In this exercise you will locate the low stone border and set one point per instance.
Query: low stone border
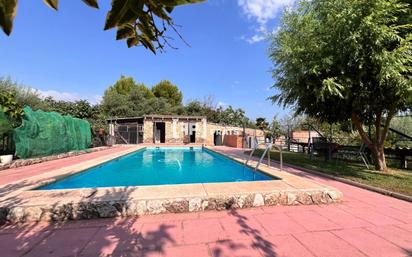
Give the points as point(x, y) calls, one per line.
point(89, 208)
point(26, 162)
point(354, 183)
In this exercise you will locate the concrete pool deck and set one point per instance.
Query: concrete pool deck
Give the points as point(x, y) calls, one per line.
point(19, 203)
point(363, 224)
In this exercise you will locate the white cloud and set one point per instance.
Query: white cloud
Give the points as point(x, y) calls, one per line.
point(71, 97)
point(259, 36)
point(223, 104)
point(262, 11)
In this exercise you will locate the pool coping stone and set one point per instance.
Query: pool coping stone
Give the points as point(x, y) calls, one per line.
point(19, 203)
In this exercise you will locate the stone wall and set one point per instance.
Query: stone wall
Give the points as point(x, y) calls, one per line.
point(134, 207)
point(176, 131)
point(148, 131)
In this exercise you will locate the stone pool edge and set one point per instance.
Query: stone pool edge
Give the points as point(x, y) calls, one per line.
point(72, 204)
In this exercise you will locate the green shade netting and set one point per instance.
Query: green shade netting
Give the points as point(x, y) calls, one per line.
point(47, 133)
point(5, 125)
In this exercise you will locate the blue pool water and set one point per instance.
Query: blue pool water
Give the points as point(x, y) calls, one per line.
point(160, 166)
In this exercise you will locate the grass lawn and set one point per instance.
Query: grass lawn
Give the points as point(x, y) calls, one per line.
point(398, 180)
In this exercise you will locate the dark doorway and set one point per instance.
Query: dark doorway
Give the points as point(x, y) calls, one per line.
point(193, 133)
point(159, 132)
point(217, 138)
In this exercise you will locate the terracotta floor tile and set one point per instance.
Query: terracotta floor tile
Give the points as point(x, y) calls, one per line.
point(16, 244)
point(234, 248)
point(279, 224)
point(285, 246)
point(394, 234)
point(164, 234)
point(242, 227)
point(202, 231)
point(326, 244)
point(312, 221)
point(342, 218)
point(108, 239)
point(186, 251)
point(373, 217)
point(369, 243)
point(64, 242)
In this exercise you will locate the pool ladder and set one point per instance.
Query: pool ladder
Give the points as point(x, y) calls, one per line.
point(268, 147)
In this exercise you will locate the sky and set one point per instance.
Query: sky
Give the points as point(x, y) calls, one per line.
point(67, 54)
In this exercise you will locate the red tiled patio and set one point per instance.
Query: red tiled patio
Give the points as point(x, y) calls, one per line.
point(364, 224)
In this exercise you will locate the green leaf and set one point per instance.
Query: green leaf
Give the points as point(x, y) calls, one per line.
point(146, 42)
point(92, 3)
point(173, 3)
point(8, 10)
point(126, 31)
point(52, 3)
point(128, 17)
point(132, 42)
point(169, 9)
point(122, 11)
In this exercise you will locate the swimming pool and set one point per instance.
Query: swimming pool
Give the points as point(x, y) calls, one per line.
point(161, 166)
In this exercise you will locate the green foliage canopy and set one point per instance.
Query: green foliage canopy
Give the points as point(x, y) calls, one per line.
point(261, 123)
point(5, 125)
point(23, 95)
point(139, 22)
point(168, 91)
point(126, 98)
point(338, 60)
point(81, 109)
point(275, 128)
point(9, 106)
point(127, 85)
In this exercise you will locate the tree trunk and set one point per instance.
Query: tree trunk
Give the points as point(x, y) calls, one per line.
point(378, 156)
point(376, 147)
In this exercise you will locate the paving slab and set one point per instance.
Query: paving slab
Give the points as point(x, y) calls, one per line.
point(234, 248)
point(285, 246)
point(326, 244)
point(369, 243)
point(66, 242)
point(203, 231)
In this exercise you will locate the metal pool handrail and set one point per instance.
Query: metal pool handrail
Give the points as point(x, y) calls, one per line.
point(268, 147)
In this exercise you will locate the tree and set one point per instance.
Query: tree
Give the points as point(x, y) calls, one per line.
point(124, 85)
point(261, 123)
point(168, 91)
point(5, 125)
point(139, 22)
point(338, 60)
point(81, 109)
point(275, 128)
point(127, 85)
point(206, 107)
point(23, 95)
point(116, 105)
point(11, 108)
point(233, 117)
point(136, 102)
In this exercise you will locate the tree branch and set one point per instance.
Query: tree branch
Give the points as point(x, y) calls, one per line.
point(391, 113)
point(378, 126)
point(358, 125)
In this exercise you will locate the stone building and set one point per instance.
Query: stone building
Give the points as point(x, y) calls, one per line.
point(175, 129)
